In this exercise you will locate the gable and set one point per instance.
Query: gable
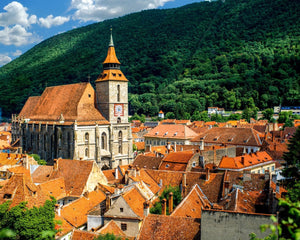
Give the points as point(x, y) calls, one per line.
point(116, 211)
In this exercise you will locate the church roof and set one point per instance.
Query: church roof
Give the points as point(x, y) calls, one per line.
point(68, 102)
point(112, 74)
point(111, 56)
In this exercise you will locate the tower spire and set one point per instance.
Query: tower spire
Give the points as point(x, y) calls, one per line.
point(111, 43)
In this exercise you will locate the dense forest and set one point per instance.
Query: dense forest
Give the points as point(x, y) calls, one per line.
point(235, 54)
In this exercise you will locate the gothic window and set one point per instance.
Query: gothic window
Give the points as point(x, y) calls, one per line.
point(86, 143)
point(103, 141)
point(118, 93)
point(120, 142)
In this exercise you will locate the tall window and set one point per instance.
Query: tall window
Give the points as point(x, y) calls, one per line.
point(86, 143)
point(120, 142)
point(118, 93)
point(103, 141)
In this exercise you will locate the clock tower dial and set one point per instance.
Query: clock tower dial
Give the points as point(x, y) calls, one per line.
point(118, 110)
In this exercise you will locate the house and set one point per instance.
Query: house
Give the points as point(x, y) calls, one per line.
point(257, 162)
point(75, 121)
point(147, 162)
point(180, 161)
point(173, 133)
point(20, 188)
point(161, 114)
point(78, 176)
point(244, 138)
point(215, 110)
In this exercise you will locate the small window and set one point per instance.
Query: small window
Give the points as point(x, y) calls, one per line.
point(7, 196)
point(194, 164)
point(114, 74)
point(89, 95)
point(121, 209)
point(123, 226)
point(167, 165)
point(273, 168)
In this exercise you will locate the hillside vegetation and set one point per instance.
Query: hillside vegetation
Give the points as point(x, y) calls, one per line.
point(235, 55)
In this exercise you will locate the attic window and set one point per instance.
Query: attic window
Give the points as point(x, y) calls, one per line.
point(89, 95)
point(230, 139)
point(123, 226)
point(175, 134)
point(7, 196)
point(167, 165)
point(114, 74)
point(156, 133)
point(121, 209)
point(216, 138)
point(104, 75)
point(120, 75)
point(166, 133)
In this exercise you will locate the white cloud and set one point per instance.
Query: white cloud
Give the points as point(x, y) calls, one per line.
point(4, 59)
point(17, 35)
point(17, 53)
point(53, 21)
point(16, 14)
point(99, 10)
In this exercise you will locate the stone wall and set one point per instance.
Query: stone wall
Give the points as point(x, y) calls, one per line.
point(217, 225)
point(215, 156)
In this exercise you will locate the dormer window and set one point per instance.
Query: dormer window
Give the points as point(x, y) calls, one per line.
point(7, 196)
point(175, 134)
point(156, 133)
point(114, 74)
point(166, 133)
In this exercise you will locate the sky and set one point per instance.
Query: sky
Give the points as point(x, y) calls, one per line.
point(25, 23)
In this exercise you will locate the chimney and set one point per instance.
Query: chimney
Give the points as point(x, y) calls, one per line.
point(107, 201)
point(55, 165)
point(243, 160)
point(175, 147)
point(267, 175)
point(134, 172)
point(201, 145)
point(246, 176)
point(160, 182)
point(86, 194)
point(184, 185)
point(207, 174)
point(273, 136)
point(164, 207)
point(116, 173)
point(170, 202)
point(275, 147)
point(281, 135)
point(126, 177)
point(226, 188)
point(57, 209)
point(146, 208)
point(137, 171)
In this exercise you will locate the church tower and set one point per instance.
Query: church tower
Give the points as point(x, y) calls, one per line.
point(112, 89)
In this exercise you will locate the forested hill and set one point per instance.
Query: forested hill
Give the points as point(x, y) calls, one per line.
point(233, 54)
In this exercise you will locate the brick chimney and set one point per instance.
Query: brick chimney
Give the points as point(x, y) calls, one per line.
point(138, 171)
point(243, 160)
point(207, 173)
point(164, 207)
point(184, 185)
point(126, 177)
point(146, 208)
point(55, 164)
point(107, 201)
point(170, 202)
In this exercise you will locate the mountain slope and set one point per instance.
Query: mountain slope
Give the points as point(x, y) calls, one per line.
point(230, 54)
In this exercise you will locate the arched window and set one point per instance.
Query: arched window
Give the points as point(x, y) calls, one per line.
point(86, 143)
point(86, 139)
point(87, 152)
point(120, 142)
point(103, 141)
point(118, 93)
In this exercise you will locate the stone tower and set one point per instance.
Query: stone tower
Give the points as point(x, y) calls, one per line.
point(112, 89)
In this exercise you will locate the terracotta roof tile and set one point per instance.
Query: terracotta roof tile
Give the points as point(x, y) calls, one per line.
point(149, 162)
point(159, 227)
point(42, 174)
point(76, 212)
point(73, 102)
point(63, 228)
point(192, 204)
point(230, 136)
point(112, 228)
point(29, 107)
point(55, 188)
point(171, 131)
point(83, 235)
point(140, 145)
point(135, 200)
point(245, 161)
point(11, 158)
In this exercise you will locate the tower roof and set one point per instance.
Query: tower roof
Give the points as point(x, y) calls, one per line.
point(111, 53)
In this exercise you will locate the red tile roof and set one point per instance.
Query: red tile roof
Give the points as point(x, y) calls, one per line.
point(230, 136)
point(55, 188)
point(245, 161)
point(112, 228)
point(192, 204)
point(136, 201)
point(20, 188)
point(149, 162)
point(73, 102)
point(83, 235)
point(171, 131)
point(169, 228)
point(76, 212)
point(140, 145)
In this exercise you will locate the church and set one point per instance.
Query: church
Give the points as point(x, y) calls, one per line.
point(76, 122)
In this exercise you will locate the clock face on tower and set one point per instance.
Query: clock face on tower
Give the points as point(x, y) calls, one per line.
point(118, 110)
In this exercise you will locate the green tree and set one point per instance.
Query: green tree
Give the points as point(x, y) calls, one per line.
point(107, 236)
point(268, 114)
point(157, 208)
point(34, 223)
point(170, 115)
point(38, 159)
point(292, 158)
